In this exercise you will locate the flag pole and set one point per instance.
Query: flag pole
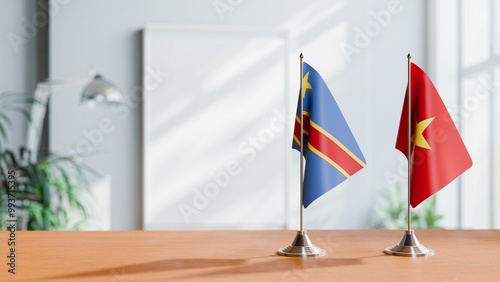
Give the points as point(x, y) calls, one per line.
point(301, 245)
point(301, 200)
point(409, 140)
point(409, 246)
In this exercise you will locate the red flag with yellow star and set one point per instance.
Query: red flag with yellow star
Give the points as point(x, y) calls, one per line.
point(438, 154)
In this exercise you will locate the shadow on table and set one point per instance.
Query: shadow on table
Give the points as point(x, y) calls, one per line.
point(290, 267)
point(154, 266)
point(234, 266)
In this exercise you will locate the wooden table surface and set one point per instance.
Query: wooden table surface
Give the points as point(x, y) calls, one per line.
point(354, 255)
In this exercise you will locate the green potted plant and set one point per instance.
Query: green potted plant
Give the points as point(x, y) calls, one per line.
point(392, 213)
point(49, 193)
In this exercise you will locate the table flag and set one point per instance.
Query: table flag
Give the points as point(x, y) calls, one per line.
point(438, 154)
point(330, 149)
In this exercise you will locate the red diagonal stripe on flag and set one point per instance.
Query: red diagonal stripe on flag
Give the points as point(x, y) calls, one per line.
point(296, 130)
point(334, 151)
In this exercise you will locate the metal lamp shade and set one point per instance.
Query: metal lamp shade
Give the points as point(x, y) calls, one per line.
point(101, 90)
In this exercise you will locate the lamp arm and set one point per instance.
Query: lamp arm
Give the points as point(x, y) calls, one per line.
point(38, 111)
point(97, 88)
point(39, 108)
point(58, 83)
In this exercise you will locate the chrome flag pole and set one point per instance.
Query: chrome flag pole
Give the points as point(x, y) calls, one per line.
point(409, 245)
point(301, 245)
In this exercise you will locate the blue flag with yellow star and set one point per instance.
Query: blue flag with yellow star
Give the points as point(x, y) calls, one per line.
point(331, 152)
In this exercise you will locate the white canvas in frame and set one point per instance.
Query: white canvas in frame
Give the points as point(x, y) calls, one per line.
point(216, 136)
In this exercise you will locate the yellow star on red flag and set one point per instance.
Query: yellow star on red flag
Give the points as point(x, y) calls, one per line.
point(418, 138)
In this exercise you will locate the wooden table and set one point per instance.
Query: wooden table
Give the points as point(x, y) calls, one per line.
point(119, 256)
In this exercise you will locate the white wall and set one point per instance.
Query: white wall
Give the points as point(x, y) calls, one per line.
point(443, 68)
point(368, 85)
point(468, 89)
point(18, 57)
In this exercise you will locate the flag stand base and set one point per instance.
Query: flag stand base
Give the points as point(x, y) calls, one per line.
point(409, 247)
point(301, 247)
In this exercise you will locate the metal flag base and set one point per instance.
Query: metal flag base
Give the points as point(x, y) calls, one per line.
point(409, 247)
point(301, 247)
